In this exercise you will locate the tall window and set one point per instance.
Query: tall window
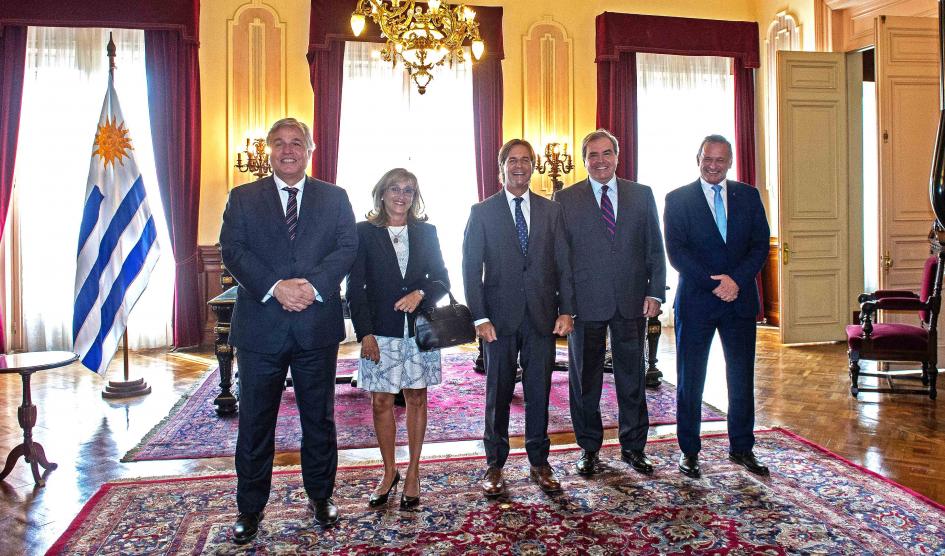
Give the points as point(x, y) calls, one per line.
point(65, 81)
point(680, 100)
point(386, 124)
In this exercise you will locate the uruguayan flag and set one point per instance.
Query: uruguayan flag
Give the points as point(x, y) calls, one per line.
point(117, 241)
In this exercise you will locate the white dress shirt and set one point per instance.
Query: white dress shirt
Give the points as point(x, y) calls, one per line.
point(611, 192)
point(526, 207)
point(710, 195)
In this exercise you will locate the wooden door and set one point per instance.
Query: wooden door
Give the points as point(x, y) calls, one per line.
point(907, 94)
point(814, 196)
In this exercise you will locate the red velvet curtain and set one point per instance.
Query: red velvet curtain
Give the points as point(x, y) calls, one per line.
point(621, 36)
point(617, 108)
point(745, 123)
point(330, 27)
point(12, 66)
point(174, 101)
point(326, 69)
point(174, 97)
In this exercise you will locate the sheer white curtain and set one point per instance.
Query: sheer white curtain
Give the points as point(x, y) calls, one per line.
point(386, 124)
point(65, 81)
point(680, 100)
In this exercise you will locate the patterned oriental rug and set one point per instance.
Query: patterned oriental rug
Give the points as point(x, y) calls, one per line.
point(813, 502)
point(455, 412)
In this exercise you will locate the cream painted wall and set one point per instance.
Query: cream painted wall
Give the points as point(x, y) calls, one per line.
point(214, 167)
point(576, 16)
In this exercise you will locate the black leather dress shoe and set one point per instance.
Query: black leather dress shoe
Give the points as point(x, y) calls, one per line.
point(637, 460)
point(587, 465)
point(326, 513)
point(246, 527)
point(689, 465)
point(748, 461)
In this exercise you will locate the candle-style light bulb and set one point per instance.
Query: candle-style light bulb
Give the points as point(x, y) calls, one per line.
point(357, 24)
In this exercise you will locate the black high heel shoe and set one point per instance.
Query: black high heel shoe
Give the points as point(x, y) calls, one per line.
point(408, 502)
point(381, 499)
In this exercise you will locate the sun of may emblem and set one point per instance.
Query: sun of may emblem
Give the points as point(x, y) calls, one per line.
point(112, 142)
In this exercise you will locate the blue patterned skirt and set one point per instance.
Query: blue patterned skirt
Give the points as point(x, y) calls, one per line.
point(402, 365)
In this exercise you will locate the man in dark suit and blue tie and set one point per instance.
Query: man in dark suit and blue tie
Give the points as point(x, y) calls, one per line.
point(619, 280)
point(517, 278)
point(288, 240)
point(717, 238)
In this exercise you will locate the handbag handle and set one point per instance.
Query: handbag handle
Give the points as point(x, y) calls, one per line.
point(448, 292)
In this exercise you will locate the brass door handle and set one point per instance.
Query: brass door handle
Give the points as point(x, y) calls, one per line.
point(785, 253)
point(886, 261)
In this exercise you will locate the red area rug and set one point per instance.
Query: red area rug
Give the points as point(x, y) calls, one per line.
point(814, 502)
point(456, 410)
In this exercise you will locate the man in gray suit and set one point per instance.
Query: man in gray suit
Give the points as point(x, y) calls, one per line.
point(517, 277)
point(619, 280)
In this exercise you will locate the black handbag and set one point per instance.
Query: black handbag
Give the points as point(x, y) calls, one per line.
point(441, 327)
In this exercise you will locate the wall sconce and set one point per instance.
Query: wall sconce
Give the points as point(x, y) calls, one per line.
point(557, 163)
point(257, 163)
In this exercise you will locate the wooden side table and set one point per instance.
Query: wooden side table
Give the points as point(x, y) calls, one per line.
point(26, 364)
point(222, 306)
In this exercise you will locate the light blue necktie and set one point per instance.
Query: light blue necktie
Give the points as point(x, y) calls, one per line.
point(720, 220)
point(520, 226)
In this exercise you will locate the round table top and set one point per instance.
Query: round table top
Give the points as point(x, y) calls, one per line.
point(35, 361)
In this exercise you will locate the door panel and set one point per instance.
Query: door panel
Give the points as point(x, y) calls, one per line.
point(907, 90)
point(814, 196)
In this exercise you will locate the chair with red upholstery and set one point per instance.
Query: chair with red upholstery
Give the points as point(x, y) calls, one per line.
point(894, 342)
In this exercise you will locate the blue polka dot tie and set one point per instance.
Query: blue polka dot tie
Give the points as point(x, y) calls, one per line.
point(521, 226)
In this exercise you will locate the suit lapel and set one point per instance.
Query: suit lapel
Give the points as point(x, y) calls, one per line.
point(703, 212)
point(591, 208)
point(506, 222)
point(272, 205)
point(382, 236)
point(536, 218)
point(624, 209)
point(414, 242)
point(309, 207)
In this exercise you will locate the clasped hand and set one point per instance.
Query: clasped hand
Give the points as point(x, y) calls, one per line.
point(294, 294)
point(409, 302)
point(727, 290)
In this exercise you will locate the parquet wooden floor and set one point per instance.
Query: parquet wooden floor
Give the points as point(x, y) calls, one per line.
point(804, 389)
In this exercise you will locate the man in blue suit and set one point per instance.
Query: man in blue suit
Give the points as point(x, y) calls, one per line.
point(288, 240)
point(717, 239)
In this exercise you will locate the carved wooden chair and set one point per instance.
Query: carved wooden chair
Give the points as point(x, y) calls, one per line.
point(894, 342)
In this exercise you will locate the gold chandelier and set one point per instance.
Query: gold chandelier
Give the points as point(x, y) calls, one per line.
point(421, 38)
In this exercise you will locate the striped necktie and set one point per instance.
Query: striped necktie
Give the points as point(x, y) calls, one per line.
point(291, 211)
point(607, 212)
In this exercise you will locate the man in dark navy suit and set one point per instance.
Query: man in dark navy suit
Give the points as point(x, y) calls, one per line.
point(717, 238)
point(288, 240)
point(517, 278)
point(619, 281)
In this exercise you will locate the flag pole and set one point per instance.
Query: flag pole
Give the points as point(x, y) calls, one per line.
point(126, 388)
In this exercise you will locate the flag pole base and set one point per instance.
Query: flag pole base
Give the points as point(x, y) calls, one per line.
point(126, 389)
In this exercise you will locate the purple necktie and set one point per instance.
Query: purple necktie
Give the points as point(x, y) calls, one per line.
point(607, 212)
point(291, 211)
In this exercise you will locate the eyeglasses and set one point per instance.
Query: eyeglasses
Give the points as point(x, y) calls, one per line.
point(409, 192)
